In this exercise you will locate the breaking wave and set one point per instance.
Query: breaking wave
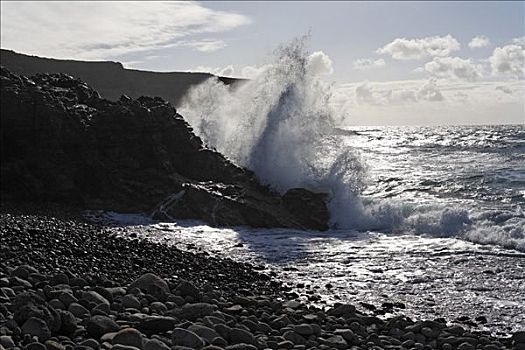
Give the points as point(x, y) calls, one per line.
point(282, 125)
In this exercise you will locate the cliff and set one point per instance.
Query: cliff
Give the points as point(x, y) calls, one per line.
point(61, 142)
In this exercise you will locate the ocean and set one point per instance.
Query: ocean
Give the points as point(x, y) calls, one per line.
point(430, 219)
point(447, 239)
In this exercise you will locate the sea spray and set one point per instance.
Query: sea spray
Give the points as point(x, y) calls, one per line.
point(280, 125)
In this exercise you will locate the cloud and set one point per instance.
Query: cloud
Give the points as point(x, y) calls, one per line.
point(509, 59)
point(205, 45)
point(430, 102)
point(367, 63)
point(381, 95)
point(103, 30)
point(319, 63)
point(478, 42)
point(408, 49)
point(454, 68)
point(430, 92)
point(228, 71)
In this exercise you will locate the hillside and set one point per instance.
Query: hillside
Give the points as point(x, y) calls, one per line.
point(111, 79)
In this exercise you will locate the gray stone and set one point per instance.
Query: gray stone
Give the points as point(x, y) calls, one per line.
point(99, 325)
point(347, 334)
point(241, 346)
point(466, 346)
point(94, 297)
point(294, 337)
point(36, 327)
point(158, 307)
point(92, 343)
point(35, 346)
point(336, 341)
point(129, 301)
point(204, 332)
point(238, 335)
point(67, 298)
point(303, 329)
point(7, 342)
point(151, 284)
point(78, 310)
point(184, 337)
point(68, 322)
point(155, 344)
point(57, 304)
point(157, 324)
point(53, 345)
point(198, 310)
point(123, 347)
point(342, 310)
point(128, 336)
point(186, 289)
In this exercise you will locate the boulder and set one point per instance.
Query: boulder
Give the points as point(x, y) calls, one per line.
point(151, 284)
point(99, 325)
point(184, 337)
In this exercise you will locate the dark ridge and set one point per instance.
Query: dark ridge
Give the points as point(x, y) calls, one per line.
point(111, 79)
point(62, 143)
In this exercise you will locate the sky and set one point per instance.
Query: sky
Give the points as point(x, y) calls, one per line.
point(390, 63)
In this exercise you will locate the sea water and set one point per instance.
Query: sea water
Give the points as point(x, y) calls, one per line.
point(430, 218)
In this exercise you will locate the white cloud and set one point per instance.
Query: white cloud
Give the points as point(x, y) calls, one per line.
point(381, 95)
point(519, 41)
point(407, 49)
point(509, 59)
point(430, 92)
point(319, 63)
point(208, 45)
point(102, 30)
point(478, 42)
point(228, 71)
point(454, 68)
point(367, 63)
point(431, 102)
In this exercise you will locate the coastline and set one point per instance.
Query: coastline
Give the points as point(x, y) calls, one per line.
point(249, 307)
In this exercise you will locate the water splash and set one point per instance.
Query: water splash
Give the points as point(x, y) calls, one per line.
point(280, 125)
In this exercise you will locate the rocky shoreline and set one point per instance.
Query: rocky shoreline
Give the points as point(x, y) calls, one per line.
point(68, 284)
point(61, 142)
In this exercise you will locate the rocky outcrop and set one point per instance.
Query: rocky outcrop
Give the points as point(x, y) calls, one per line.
point(61, 142)
point(111, 79)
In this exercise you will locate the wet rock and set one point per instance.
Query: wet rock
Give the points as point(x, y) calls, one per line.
point(36, 327)
point(186, 289)
point(195, 311)
point(35, 346)
point(151, 284)
point(204, 332)
point(7, 342)
point(238, 335)
point(53, 345)
point(155, 344)
point(128, 336)
point(157, 323)
point(100, 325)
point(78, 310)
point(129, 301)
point(186, 338)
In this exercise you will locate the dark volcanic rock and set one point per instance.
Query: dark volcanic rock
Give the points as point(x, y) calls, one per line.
point(61, 142)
